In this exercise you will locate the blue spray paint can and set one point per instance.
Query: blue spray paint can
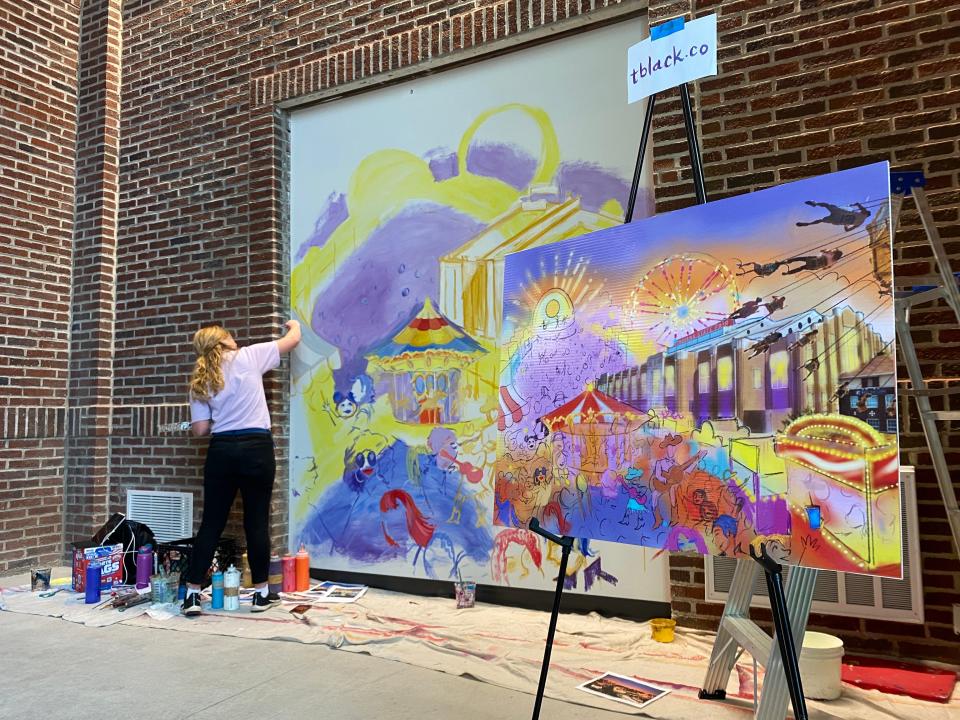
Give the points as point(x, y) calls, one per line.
point(217, 602)
point(92, 584)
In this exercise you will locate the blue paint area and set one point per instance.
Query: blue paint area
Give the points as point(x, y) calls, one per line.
point(348, 520)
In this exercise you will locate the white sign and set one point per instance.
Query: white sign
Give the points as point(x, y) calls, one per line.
point(659, 64)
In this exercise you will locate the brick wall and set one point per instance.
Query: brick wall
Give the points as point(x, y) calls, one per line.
point(38, 87)
point(806, 88)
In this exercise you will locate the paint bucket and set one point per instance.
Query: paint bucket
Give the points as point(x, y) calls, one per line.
point(662, 629)
point(820, 662)
point(466, 594)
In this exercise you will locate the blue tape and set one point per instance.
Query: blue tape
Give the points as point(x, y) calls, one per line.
point(902, 182)
point(667, 28)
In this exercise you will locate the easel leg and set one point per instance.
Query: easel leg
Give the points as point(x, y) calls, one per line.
point(784, 637)
point(696, 162)
point(644, 139)
point(565, 556)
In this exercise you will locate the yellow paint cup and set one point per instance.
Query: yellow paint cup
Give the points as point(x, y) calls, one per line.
point(662, 629)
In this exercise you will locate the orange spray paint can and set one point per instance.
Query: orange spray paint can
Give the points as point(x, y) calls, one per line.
point(303, 569)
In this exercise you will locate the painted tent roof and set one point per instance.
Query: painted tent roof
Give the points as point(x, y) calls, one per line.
point(590, 404)
point(428, 330)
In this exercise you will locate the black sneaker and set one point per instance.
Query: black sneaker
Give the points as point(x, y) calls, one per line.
point(191, 605)
point(262, 603)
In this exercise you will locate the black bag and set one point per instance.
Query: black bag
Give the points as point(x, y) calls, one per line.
point(132, 535)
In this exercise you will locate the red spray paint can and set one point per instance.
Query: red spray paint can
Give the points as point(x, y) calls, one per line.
point(289, 574)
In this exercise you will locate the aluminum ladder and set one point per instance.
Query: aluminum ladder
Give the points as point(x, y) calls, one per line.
point(940, 286)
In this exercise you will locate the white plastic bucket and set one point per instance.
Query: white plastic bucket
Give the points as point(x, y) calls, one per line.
point(820, 661)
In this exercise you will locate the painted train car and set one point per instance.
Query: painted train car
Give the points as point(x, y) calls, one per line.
point(761, 372)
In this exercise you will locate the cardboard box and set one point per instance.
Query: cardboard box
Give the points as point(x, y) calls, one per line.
point(108, 557)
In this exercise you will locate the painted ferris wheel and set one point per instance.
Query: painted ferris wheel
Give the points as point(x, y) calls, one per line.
point(681, 295)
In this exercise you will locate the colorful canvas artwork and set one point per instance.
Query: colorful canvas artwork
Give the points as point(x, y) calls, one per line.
point(400, 232)
point(713, 379)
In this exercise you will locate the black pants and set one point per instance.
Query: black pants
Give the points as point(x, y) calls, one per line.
point(236, 462)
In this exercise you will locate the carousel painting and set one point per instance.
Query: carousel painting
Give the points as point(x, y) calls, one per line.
point(420, 367)
point(711, 380)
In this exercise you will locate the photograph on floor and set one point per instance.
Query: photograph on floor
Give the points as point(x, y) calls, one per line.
point(712, 380)
point(395, 391)
point(624, 689)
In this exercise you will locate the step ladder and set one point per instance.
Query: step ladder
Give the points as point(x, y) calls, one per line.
point(940, 286)
point(738, 632)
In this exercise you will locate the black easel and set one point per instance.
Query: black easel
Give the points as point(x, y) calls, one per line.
point(771, 568)
point(781, 623)
point(566, 544)
point(693, 146)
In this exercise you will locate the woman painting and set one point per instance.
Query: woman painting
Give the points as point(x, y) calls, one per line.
point(227, 402)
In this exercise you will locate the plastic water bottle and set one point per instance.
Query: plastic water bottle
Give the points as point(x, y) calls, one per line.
point(144, 566)
point(92, 584)
point(231, 589)
point(217, 602)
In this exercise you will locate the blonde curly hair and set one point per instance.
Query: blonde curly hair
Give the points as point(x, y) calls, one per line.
point(209, 344)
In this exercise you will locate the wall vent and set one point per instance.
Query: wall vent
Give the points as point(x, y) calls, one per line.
point(168, 514)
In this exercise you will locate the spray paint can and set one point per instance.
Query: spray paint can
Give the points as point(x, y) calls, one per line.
point(217, 591)
point(275, 579)
point(246, 580)
point(231, 589)
point(303, 569)
point(92, 587)
point(144, 566)
point(289, 574)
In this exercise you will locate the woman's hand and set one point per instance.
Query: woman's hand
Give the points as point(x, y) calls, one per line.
point(289, 341)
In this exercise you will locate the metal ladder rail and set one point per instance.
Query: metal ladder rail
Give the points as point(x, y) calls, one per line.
point(945, 286)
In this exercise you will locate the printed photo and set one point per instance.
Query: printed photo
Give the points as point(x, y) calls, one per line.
point(624, 689)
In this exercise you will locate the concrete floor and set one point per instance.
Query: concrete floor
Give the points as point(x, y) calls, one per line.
point(53, 668)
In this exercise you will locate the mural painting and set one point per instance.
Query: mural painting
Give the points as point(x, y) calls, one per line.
point(397, 272)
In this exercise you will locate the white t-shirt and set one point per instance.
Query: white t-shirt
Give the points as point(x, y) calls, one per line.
point(242, 404)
